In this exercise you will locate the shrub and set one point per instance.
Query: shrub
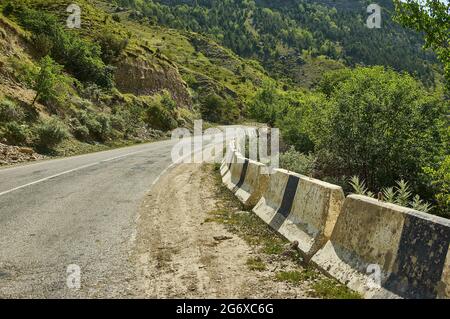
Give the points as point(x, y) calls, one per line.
point(297, 162)
point(303, 120)
point(401, 194)
point(160, 118)
point(116, 18)
point(50, 133)
point(219, 110)
point(42, 44)
point(47, 80)
point(16, 134)
point(81, 132)
point(8, 9)
point(105, 132)
point(23, 70)
point(81, 57)
point(9, 111)
point(268, 104)
point(382, 126)
point(167, 101)
point(440, 183)
point(117, 122)
point(112, 46)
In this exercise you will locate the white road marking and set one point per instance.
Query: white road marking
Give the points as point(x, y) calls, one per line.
point(97, 163)
point(69, 171)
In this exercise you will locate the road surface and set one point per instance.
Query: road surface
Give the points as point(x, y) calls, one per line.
point(75, 211)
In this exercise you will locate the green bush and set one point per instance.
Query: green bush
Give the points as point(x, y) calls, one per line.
point(116, 18)
point(99, 125)
point(50, 132)
point(16, 134)
point(8, 9)
point(401, 194)
point(112, 46)
point(118, 122)
point(80, 57)
point(380, 125)
point(303, 120)
point(23, 70)
point(268, 105)
point(440, 183)
point(47, 80)
point(42, 44)
point(158, 117)
point(297, 162)
point(9, 111)
point(81, 132)
point(219, 110)
point(105, 132)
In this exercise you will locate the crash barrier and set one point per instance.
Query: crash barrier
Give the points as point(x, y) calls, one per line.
point(387, 251)
point(252, 183)
point(379, 249)
point(238, 168)
point(302, 209)
point(227, 160)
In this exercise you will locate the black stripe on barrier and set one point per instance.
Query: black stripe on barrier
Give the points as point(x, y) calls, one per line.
point(420, 258)
point(286, 204)
point(243, 174)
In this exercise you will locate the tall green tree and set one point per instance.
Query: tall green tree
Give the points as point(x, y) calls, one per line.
point(383, 126)
point(432, 17)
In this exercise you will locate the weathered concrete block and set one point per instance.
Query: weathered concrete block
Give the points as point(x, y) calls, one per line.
point(237, 172)
point(252, 184)
point(227, 160)
point(271, 202)
point(409, 248)
point(302, 209)
point(226, 169)
point(315, 209)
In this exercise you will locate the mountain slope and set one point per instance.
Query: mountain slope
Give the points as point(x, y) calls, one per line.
point(115, 80)
point(284, 35)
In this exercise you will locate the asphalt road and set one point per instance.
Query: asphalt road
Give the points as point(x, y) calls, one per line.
point(75, 211)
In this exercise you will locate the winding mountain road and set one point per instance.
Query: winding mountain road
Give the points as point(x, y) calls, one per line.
point(75, 211)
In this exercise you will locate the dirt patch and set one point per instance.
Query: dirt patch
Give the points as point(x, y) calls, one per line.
point(186, 247)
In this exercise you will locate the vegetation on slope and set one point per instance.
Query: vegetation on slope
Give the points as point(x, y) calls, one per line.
point(286, 35)
point(110, 81)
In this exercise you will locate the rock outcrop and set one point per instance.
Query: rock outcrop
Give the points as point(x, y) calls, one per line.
point(148, 74)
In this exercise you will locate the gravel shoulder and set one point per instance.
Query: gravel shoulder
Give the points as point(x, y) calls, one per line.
point(193, 241)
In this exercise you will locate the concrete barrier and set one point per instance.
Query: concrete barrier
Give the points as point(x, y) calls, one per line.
point(226, 168)
point(227, 160)
point(252, 184)
point(301, 209)
point(387, 251)
point(237, 172)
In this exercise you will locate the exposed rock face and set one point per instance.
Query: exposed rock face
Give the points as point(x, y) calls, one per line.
point(147, 75)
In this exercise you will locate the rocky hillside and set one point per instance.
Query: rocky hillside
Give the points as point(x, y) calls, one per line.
point(110, 82)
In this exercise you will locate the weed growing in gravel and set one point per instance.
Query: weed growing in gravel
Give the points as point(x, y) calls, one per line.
point(256, 264)
point(330, 289)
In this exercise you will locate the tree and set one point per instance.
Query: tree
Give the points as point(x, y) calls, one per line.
point(47, 79)
point(267, 105)
point(432, 17)
point(383, 126)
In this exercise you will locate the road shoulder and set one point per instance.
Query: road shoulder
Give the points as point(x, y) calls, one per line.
point(194, 241)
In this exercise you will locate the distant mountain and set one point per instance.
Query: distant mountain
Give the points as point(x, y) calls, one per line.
point(284, 34)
